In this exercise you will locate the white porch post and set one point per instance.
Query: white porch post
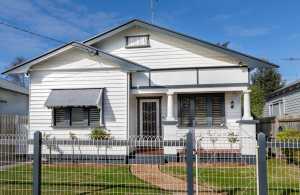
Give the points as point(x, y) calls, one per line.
point(170, 110)
point(247, 109)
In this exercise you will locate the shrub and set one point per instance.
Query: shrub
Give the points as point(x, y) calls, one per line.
point(99, 133)
point(292, 154)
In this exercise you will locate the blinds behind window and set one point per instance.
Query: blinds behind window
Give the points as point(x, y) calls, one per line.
point(186, 112)
point(206, 109)
point(60, 116)
point(137, 41)
point(217, 110)
point(201, 112)
point(94, 116)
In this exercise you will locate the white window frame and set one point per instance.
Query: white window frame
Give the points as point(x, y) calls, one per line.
point(280, 103)
point(147, 44)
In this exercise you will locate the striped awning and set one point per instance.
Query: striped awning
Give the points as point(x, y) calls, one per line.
point(75, 98)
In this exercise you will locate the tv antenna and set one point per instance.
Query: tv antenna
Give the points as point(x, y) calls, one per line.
point(152, 9)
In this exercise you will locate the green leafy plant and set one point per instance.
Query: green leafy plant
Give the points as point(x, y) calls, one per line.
point(232, 138)
point(99, 133)
point(292, 154)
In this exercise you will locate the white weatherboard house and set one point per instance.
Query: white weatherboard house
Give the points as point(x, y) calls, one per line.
point(139, 79)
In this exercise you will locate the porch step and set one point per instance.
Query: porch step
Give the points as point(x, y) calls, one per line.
point(149, 151)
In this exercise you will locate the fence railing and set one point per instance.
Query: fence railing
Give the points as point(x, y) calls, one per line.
point(148, 166)
point(11, 124)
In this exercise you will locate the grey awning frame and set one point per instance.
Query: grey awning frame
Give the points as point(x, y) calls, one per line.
point(75, 98)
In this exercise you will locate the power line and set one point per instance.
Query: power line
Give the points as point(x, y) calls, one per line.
point(30, 32)
point(63, 42)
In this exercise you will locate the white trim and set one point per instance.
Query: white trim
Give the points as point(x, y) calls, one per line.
point(189, 90)
point(157, 115)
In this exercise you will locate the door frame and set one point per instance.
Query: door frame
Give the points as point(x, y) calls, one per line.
point(139, 100)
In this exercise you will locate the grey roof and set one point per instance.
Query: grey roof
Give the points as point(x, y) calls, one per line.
point(129, 65)
point(286, 89)
point(5, 84)
point(231, 52)
point(74, 97)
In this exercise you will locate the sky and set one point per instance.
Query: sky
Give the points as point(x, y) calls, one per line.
point(267, 29)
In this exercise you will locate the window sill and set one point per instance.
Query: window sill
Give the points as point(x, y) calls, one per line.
point(136, 47)
point(73, 127)
point(203, 127)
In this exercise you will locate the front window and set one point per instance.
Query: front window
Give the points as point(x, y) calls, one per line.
point(207, 110)
point(76, 117)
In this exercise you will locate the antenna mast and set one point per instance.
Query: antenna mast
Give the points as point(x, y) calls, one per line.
point(152, 9)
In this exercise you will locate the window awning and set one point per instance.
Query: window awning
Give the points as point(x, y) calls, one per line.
point(74, 97)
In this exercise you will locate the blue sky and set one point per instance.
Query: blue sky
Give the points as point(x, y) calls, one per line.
point(266, 29)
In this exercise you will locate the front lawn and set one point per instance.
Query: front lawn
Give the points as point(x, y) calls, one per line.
point(75, 179)
point(283, 178)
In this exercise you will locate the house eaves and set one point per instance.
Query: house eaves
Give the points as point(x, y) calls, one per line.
point(251, 61)
point(7, 85)
point(124, 63)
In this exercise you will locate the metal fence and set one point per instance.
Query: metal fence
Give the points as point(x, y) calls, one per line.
point(208, 165)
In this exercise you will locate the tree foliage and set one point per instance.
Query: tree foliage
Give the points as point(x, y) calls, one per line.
point(264, 82)
point(19, 79)
point(267, 79)
point(257, 101)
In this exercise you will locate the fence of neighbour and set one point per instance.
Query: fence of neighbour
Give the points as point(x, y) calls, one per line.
point(272, 125)
point(11, 124)
point(208, 165)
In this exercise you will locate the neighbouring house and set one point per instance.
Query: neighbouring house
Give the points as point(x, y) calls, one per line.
point(284, 102)
point(139, 79)
point(13, 98)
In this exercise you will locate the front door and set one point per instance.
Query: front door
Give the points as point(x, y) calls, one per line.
point(149, 117)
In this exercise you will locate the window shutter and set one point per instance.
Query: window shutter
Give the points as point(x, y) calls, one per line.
point(60, 117)
point(94, 114)
point(217, 110)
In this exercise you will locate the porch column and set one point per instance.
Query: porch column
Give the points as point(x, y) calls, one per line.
point(247, 109)
point(170, 110)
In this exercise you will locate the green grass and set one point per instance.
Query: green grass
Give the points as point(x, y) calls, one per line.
point(283, 178)
point(86, 179)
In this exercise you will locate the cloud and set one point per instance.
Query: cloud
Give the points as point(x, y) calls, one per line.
point(247, 31)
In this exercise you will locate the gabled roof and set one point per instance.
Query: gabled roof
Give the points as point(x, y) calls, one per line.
point(250, 60)
point(291, 87)
point(5, 84)
point(126, 64)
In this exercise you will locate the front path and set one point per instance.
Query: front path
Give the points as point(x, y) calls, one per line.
point(151, 173)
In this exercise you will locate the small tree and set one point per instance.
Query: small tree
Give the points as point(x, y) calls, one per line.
point(232, 138)
point(100, 133)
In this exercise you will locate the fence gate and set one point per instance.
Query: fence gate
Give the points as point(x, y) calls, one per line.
point(221, 167)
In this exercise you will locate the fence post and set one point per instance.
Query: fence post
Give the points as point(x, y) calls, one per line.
point(189, 163)
point(262, 165)
point(36, 171)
